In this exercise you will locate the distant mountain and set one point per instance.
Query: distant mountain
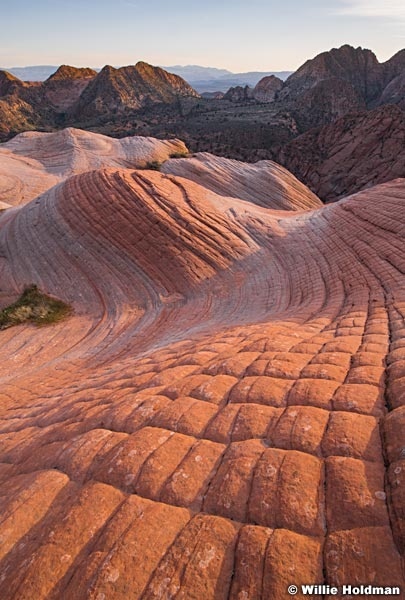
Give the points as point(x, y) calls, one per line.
point(341, 81)
point(202, 79)
point(83, 94)
point(35, 73)
point(113, 91)
point(28, 105)
point(208, 79)
point(335, 97)
point(196, 73)
point(265, 90)
point(67, 73)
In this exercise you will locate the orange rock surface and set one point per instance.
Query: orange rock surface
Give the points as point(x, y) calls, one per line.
point(245, 181)
point(223, 414)
point(32, 162)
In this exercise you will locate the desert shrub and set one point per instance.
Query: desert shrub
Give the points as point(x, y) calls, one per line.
point(33, 307)
point(178, 155)
point(153, 165)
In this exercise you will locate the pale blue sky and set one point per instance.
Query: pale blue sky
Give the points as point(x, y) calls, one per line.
point(233, 34)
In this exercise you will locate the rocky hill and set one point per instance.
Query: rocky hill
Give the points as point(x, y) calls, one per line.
point(66, 72)
point(9, 84)
point(341, 81)
point(17, 115)
point(32, 105)
point(80, 94)
point(115, 91)
point(353, 153)
point(62, 89)
point(239, 94)
point(266, 89)
point(356, 66)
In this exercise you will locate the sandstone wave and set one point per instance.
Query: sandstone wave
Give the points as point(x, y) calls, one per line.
point(33, 162)
point(265, 183)
point(207, 424)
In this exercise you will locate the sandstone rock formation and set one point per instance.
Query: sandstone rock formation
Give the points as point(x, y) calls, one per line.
point(394, 92)
point(341, 81)
point(264, 183)
point(64, 87)
point(356, 66)
point(16, 115)
point(66, 72)
point(80, 94)
point(117, 90)
point(33, 162)
point(266, 89)
point(239, 94)
point(29, 105)
point(9, 84)
point(207, 424)
point(352, 154)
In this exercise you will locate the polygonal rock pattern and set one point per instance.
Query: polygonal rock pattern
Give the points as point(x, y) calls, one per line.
point(223, 415)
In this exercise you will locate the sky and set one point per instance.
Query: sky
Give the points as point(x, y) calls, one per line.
point(262, 35)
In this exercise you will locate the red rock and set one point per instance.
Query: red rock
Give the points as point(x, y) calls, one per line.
point(247, 181)
point(359, 398)
point(396, 481)
point(33, 162)
point(300, 428)
point(307, 565)
point(349, 434)
point(355, 494)
point(206, 423)
point(205, 570)
point(313, 392)
point(339, 158)
point(266, 89)
point(363, 555)
point(250, 562)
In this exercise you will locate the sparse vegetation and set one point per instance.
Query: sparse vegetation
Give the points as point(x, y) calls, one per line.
point(34, 307)
point(178, 155)
point(153, 165)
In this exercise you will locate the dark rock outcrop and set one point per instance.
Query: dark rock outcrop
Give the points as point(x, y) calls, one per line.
point(356, 66)
point(267, 88)
point(117, 90)
point(354, 153)
point(9, 84)
point(239, 94)
point(339, 82)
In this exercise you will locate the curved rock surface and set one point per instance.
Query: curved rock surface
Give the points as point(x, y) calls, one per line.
point(33, 162)
point(264, 183)
point(207, 424)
